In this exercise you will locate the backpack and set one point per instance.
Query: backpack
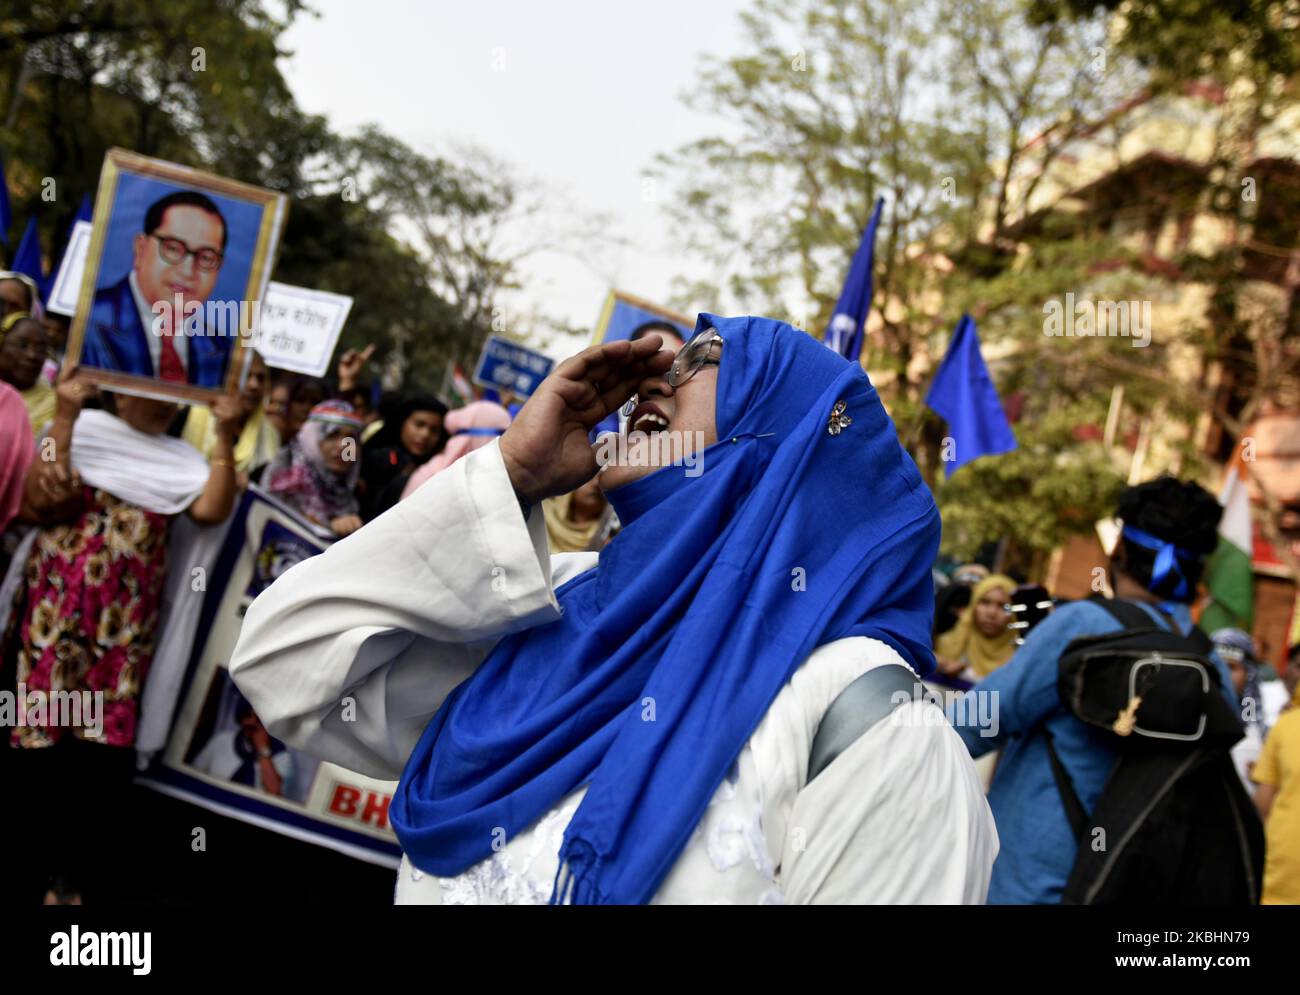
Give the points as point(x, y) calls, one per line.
point(1179, 827)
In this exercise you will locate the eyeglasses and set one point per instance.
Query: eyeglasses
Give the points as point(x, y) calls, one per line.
point(694, 355)
point(174, 251)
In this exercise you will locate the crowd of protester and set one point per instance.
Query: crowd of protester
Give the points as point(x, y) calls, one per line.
point(84, 531)
point(84, 548)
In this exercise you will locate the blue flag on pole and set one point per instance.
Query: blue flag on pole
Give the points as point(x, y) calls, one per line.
point(6, 212)
point(27, 259)
point(963, 394)
point(844, 333)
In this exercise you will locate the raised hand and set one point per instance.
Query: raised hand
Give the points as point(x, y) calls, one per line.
point(229, 415)
point(546, 449)
point(351, 363)
point(70, 393)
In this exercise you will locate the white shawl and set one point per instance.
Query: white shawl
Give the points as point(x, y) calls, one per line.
point(153, 472)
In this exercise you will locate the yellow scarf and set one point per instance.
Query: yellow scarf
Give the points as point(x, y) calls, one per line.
point(566, 536)
point(40, 398)
point(965, 642)
point(41, 403)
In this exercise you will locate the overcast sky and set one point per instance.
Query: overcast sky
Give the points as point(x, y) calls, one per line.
point(578, 93)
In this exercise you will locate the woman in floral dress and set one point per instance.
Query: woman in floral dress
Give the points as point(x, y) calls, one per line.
point(87, 622)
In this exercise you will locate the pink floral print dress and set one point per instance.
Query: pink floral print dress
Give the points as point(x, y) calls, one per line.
point(90, 621)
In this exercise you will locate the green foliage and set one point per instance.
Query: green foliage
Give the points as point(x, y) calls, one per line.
point(1050, 488)
point(1186, 39)
point(198, 82)
point(954, 112)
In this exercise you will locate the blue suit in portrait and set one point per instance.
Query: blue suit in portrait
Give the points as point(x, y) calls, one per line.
point(116, 339)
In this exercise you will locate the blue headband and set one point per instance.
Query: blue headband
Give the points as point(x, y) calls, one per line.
point(1166, 563)
point(479, 431)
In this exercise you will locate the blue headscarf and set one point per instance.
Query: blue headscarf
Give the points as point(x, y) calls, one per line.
point(670, 652)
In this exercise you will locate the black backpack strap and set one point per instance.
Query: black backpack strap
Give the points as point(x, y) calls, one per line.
point(1073, 807)
point(1126, 613)
point(859, 707)
point(1129, 615)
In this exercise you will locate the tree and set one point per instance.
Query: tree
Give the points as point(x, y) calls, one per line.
point(1187, 39)
point(1248, 55)
point(192, 81)
point(198, 82)
point(474, 221)
point(953, 112)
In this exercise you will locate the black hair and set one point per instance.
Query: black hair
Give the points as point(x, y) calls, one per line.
point(360, 397)
point(395, 416)
point(1179, 512)
point(647, 327)
point(305, 385)
point(153, 218)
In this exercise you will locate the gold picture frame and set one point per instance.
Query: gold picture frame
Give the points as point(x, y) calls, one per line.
point(115, 347)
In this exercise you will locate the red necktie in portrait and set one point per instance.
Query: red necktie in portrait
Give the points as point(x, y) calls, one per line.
point(170, 367)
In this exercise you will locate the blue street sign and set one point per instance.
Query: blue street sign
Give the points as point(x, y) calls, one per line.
point(510, 366)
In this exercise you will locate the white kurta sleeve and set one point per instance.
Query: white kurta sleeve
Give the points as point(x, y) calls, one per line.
point(898, 818)
point(348, 654)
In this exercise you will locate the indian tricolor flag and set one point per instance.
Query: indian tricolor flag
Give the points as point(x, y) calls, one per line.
point(456, 387)
point(1229, 575)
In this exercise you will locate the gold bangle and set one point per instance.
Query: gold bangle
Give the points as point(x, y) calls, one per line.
point(222, 461)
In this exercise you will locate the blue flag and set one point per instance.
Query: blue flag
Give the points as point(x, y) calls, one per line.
point(6, 212)
point(844, 333)
point(963, 394)
point(27, 259)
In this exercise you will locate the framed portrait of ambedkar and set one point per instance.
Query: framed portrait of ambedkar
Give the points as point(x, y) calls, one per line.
point(178, 265)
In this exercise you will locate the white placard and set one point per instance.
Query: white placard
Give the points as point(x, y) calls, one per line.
point(298, 328)
point(67, 285)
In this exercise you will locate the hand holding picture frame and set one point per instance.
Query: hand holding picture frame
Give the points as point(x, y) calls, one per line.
point(178, 266)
